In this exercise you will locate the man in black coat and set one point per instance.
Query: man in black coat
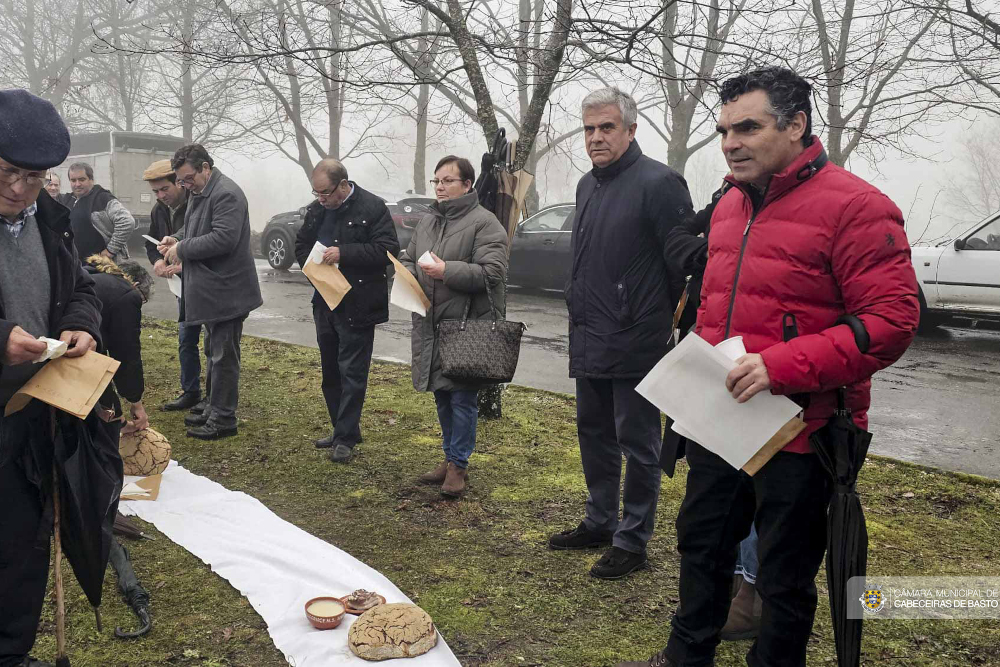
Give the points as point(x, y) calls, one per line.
point(44, 292)
point(620, 297)
point(357, 230)
point(167, 219)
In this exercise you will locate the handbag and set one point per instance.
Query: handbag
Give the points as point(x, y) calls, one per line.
point(479, 351)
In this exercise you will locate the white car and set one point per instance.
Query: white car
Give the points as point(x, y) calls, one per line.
point(960, 277)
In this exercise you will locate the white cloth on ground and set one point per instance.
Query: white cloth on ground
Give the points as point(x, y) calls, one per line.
point(276, 565)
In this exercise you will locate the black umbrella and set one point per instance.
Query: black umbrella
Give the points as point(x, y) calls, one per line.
point(841, 447)
point(136, 597)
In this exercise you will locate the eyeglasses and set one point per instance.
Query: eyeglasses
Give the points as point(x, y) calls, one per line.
point(327, 193)
point(186, 180)
point(446, 181)
point(11, 175)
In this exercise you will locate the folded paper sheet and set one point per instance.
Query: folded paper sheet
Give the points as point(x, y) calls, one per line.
point(689, 384)
point(174, 282)
point(53, 349)
point(406, 291)
point(141, 488)
point(327, 279)
point(72, 385)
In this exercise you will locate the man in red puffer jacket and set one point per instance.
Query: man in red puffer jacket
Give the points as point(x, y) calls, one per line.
point(796, 244)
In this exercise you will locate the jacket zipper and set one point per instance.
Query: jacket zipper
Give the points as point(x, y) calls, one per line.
point(739, 262)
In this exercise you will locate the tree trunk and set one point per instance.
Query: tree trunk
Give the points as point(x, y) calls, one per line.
point(420, 151)
point(187, 80)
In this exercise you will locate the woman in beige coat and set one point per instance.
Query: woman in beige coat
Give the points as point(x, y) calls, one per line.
point(467, 250)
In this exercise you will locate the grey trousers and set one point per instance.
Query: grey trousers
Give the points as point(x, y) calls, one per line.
point(612, 420)
point(222, 372)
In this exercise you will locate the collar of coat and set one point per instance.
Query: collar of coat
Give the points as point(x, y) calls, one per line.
point(455, 209)
point(802, 168)
point(628, 158)
point(212, 180)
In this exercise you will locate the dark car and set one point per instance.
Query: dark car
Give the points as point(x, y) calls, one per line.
point(540, 256)
point(277, 242)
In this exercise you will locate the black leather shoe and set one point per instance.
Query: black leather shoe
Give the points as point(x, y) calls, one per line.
point(199, 407)
point(195, 419)
point(211, 431)
point(579, 538)
point(188, 399)
point(323, 443)
point(341, 454)
point(617, 563)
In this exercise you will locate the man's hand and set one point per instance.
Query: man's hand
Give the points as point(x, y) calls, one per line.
point(161, 269)
point(168, 248)
point(174, 269)
point(78, 342)
point(106, 253)
point(22, 347)
point(749, 378)
point(332, 255)
point(139, 421)
point(435, 270)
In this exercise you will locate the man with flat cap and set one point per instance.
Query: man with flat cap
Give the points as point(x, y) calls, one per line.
point(167, 219)
point(44, 291)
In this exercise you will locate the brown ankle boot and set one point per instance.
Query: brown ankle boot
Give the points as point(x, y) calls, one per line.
point(744, 615)
point(454, 481)
point(435, 476)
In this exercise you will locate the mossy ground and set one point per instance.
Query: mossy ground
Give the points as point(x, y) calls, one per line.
point(480, 566)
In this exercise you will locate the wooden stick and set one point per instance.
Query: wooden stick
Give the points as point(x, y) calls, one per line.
point(60, 600)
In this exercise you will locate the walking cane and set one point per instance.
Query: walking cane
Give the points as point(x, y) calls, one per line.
point(62, 660)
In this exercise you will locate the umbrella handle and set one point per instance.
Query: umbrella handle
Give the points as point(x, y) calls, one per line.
point(147, 623)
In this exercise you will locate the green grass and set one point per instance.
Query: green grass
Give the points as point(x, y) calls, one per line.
point(480, 566)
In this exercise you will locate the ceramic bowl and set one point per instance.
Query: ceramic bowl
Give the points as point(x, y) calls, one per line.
point(325, 622)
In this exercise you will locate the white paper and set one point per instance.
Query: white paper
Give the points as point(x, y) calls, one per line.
point(133, 489)
point(174, 282)
point(426, 259)
point(316, 254)
point(151, 239)
point(733, 348)
point(689, 385)
point(53, 349)
point(401, 295)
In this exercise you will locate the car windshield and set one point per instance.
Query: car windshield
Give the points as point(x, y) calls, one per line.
point(985, 238)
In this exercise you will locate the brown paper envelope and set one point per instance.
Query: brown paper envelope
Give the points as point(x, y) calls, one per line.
point(151, 484)
point(328, 281)
point(404, 273)
point(785, 435)
point(72, 385)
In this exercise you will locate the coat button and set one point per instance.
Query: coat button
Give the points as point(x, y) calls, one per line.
point(360, 280)
point(620, 286)
point(66, 235)
point(335, 240)
point(58, 303)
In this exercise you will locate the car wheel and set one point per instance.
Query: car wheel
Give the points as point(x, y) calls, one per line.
point(279, 251)
point(929, 320)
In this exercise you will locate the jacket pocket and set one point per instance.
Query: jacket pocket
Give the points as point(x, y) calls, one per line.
point(622, 296)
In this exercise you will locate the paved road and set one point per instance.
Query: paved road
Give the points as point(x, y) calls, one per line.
point(937, 406)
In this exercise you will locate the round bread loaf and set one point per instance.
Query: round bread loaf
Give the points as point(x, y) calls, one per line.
point(388, 631)
point(145, 452)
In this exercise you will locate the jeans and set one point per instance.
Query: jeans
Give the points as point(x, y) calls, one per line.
point(612, 420)
point(187, 353)
point(788, 500)
point(222, 375)
point(746, 559)
point(458, 412)
point(345, 354)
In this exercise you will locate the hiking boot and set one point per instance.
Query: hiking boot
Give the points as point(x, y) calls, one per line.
point(744, 615)
point(199, 407)
point(199, 419)
point(211, 431)
point(579, 538)
point(341, 454)
point(324, 443)
point(658, 660)
point(455, 481)
point(435, 476)
point(188, 399)
point(617, 563)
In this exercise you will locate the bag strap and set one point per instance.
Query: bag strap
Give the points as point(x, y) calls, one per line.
point(489, 295)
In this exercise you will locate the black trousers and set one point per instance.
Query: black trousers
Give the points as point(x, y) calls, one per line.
point(24, 559)
point(612, 420)
point(790, 496)
point(345, 353)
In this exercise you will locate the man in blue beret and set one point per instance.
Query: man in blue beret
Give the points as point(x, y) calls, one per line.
point(44, 291)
